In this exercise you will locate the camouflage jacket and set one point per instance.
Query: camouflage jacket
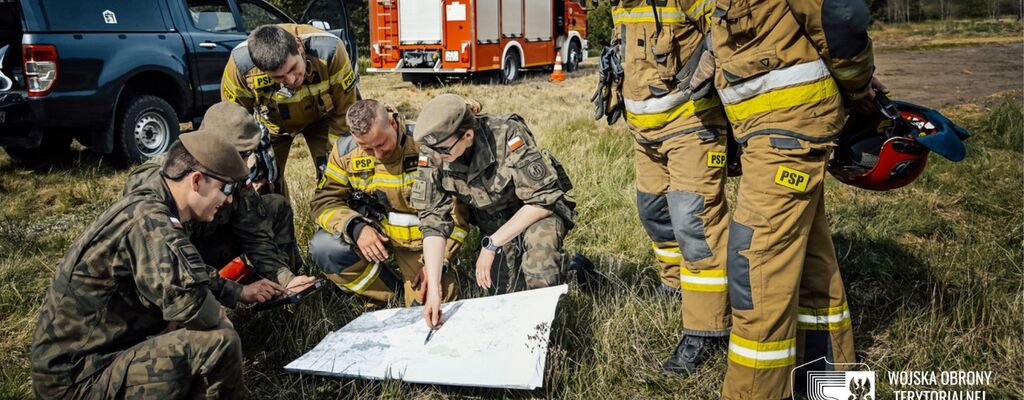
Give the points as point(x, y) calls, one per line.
point(506, 171)
point(247, 218)
point(123, 280)
point(390, 181)
point(325, 94)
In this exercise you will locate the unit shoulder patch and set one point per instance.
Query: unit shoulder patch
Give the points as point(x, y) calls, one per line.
point(537, 171)
point(791, 178)
point(363, 164)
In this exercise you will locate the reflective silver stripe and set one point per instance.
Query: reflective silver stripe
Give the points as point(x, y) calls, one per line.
point(850, 72)
point(780, 78)
point(655, 105)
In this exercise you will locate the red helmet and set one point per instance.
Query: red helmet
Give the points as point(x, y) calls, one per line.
point(889, 148)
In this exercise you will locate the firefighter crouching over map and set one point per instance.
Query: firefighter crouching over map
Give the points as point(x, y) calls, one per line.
point(297, 79)
point(516, 193)
point(363, 210)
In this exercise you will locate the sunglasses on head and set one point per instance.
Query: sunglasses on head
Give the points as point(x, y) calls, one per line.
point(447, 150)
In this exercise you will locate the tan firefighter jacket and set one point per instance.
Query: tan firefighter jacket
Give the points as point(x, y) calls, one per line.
point(657, 65)
point(784, 66)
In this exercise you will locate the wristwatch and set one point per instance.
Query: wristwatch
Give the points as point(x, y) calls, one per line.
point(488, 244)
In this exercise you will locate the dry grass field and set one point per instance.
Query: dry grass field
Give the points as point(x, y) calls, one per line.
point(933, 271)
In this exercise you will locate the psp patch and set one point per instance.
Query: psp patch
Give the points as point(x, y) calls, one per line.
point(261, 81)
point(716, 159)
point(792, 179)
point(362, 164)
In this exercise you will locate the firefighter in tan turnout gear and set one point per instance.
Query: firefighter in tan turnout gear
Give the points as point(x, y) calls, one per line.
point(680, 133)
point(362, 209)
point(787, 72)
point(296, 79)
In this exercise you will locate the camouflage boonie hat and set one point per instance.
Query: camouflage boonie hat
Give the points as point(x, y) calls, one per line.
point(214, 152)
point(236, 123)
point(440, 118)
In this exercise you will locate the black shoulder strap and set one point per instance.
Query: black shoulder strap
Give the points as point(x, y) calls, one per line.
point(320, 45)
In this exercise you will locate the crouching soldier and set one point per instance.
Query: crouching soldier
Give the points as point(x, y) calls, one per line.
point(516, 193)
point(106, 328)
point(257, 227)
point(363, 210)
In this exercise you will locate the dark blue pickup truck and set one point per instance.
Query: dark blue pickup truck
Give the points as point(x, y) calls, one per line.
point(119, 76)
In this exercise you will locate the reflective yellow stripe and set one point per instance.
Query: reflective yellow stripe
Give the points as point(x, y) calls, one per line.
point(823, 319)
point(402, 232)
point(713, 280)
point(332, 138)
point(762, 355)
point(325, 217)
point(670, 255)
point(369, 275)
point(382, 180)
point(334, 172)
point(637, 15)
point(782, 99)
point(701, 10)
point(238, 91)
point(658, 120)
point(852, 71)
point(458, 234)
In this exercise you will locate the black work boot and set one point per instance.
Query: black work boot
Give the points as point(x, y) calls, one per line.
point(691, 352)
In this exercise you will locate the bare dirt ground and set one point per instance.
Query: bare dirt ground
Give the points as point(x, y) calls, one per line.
point(944, 77)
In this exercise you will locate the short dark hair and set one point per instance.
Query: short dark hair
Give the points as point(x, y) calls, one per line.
point(180, 162)
point(270, 46)
point(363, 114)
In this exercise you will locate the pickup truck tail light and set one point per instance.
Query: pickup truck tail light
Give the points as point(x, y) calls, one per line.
point(41, 68)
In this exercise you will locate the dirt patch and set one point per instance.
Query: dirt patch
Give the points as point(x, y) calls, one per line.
point(940, 78)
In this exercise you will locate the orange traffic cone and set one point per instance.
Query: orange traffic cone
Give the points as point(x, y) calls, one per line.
point(557, 75)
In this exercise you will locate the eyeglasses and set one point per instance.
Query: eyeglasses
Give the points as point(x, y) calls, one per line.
point(228, 189)
point(447, 150)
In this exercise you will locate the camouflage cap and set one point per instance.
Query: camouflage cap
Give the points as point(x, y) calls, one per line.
point(214, 152)
point(440, 118)
point(237, 124)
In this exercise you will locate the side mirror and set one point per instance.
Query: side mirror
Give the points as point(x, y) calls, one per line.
point(322, 25)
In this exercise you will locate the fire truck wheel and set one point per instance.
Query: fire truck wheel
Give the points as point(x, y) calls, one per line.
point(574, 56)
point(510, 67)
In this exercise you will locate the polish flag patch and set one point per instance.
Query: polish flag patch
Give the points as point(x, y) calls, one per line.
point(515, 143)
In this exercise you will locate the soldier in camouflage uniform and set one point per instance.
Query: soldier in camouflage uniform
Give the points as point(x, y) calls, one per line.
point(107, 327)
point(258, 227)
point(362, 208)
point(516, 193)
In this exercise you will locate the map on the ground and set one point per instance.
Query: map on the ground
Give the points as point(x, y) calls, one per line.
point(497, 342)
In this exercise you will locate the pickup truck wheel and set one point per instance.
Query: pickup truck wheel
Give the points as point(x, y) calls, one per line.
point(510, 68)
point(145, 129)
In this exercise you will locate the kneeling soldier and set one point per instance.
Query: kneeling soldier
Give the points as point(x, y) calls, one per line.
point(516, 193)
point(362, 208)
point(258, 227)
point(106, 328)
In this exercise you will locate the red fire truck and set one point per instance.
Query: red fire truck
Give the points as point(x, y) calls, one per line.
point(427, 39)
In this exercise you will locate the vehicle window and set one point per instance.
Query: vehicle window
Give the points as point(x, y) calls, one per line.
point(325, 10)
point(254, 15)
point(113, 15)
point(212, 15)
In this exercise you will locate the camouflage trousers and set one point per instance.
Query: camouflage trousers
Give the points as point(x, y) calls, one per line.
point(219, 246)
point(532, 260)
point(344, 266)
point(181, 364)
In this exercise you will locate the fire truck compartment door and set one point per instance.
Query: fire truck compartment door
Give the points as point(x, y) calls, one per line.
point(419, 22)
point(539, 20)
point(512, 18)
point(487, 21)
